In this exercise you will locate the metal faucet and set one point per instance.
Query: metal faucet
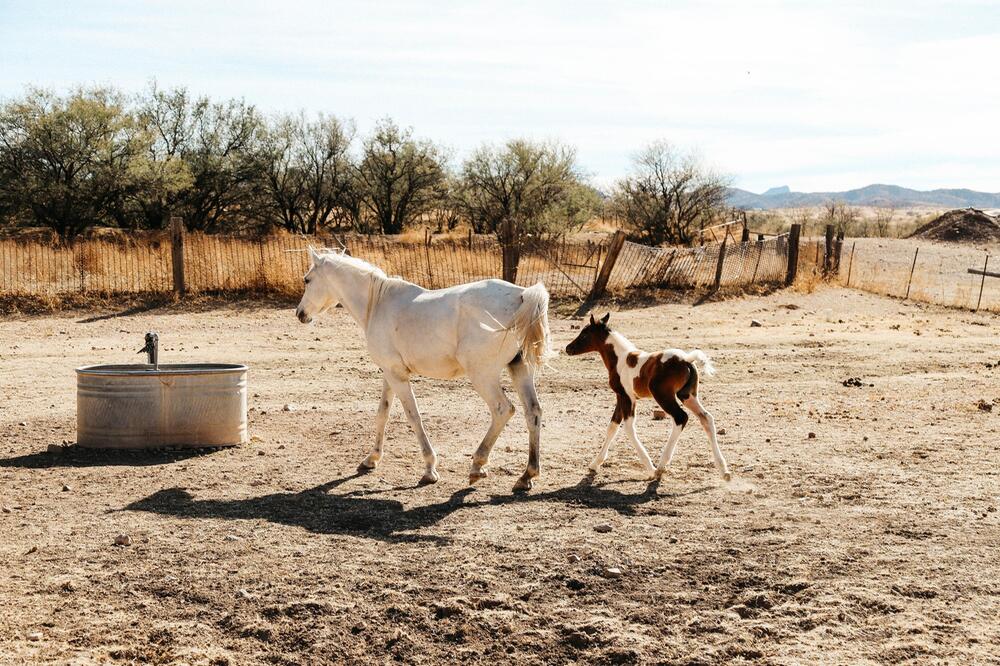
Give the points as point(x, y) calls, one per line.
point(152, 349)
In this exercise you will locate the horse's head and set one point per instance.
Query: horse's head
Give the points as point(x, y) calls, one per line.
point(318, 296)
point(591, 337)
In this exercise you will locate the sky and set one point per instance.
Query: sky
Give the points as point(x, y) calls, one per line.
point(819, 96)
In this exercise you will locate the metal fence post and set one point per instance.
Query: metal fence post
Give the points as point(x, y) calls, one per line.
point(910, 280)
point(982, 283)
point(177, 254)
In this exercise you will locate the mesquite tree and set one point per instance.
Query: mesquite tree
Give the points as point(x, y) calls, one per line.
point(669, 196)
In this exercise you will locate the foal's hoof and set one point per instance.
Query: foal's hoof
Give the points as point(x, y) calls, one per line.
point(477, 476)
point(367, 466)
point(727, 477)
point(429, 478)
point(524, 483)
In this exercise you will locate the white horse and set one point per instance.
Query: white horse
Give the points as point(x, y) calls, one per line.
point(441, 334)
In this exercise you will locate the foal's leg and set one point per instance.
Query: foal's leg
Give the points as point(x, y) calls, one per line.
point(602, 455)
point(500, 410)
point(708, 423)
point(381, 417)
point(668, 450)
point(667, 399)
point(639, 448)
point(401, 387)
point(524, 382)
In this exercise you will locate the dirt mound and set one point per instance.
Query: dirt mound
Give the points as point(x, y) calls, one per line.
point(966, 225)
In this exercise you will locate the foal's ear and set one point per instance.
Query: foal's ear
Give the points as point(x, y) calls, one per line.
point(592, 320)
point(605, 318)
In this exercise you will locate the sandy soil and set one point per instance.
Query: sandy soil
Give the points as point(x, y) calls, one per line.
point(875, 541)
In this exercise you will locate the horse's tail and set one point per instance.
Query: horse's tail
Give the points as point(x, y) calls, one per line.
point(531, 325)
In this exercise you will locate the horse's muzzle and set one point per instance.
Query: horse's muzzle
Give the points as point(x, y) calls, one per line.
point(303, 317)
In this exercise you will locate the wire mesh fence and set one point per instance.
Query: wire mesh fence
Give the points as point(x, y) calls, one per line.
point(743, 264)
point(923, 271)
point(140, 263)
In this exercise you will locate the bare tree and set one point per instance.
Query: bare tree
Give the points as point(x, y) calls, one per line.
point(304, 171)
point(400, 176)
point(883, 220)
point(669, 196)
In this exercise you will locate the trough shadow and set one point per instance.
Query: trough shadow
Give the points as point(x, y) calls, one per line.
point(358, 513)
point(81, 457)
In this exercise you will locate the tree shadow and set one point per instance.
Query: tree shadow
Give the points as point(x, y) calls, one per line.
point(358, 513)
point(140, 308)
point(80, 457)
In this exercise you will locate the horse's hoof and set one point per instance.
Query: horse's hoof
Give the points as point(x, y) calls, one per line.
point(477, 476)
point(366, 467)
point(727, 477)
point(523, 484)
point(429, 478)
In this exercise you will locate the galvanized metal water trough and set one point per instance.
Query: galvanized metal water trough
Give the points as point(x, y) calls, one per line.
point(150, 405)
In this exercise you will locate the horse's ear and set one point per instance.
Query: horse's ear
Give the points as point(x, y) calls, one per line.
point(605, 318)
point(313, 255)
point(592, 320)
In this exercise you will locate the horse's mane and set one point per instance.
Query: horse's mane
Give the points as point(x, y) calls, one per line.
point(360, 265)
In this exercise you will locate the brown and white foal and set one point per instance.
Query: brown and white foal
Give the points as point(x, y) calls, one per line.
point(666, 376)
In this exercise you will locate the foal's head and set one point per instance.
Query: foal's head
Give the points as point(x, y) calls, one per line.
point(317, 297)
point(593, 336)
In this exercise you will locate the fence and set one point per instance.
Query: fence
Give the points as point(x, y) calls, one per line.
point(923, 271)
point(147, 263)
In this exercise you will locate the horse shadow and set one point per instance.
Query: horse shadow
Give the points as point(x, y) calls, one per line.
point(360, 513)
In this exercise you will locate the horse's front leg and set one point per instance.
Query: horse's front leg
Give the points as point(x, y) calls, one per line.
point(524, 382)
point(381, 417)
point(401, 387)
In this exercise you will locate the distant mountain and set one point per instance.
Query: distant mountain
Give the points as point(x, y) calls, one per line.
point(872, 195)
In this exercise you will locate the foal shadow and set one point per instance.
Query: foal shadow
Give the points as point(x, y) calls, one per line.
point(361, 513)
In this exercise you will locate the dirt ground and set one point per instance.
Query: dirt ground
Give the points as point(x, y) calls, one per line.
point(875, 540)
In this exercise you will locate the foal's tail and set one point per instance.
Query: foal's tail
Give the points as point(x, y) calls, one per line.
point(531, 325)
point(700, 357)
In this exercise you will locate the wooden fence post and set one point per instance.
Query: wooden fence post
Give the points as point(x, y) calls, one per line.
point(828, 251)
point(719, 266)
point(614, 249)
point(509, 250)
point(793, 253)
point(177, 254)
point(909, 281)
point(745, 238)
point(838, 249)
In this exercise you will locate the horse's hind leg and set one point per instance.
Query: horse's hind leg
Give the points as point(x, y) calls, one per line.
point(401, 387)
point(524, 383)
point(500, 410)
point(708, 423)
point(381, 417)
